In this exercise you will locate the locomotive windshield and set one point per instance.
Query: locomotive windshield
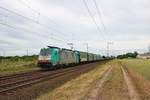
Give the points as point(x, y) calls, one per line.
point(45, 52)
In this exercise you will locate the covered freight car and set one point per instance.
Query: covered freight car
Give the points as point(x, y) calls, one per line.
point(83, 56)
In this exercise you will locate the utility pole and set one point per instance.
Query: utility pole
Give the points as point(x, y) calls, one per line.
point(87, 47)
point(108, 44)
point(71, 45)
point(87, 50)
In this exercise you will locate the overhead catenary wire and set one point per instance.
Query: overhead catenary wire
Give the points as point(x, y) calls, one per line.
point(34, 21)
point(93, 19)
point(30, 19)
point(4, 22)
point(43, 36)
point(28, 6)
point(24, 3)
point(26, 30)
point(13, 12)
point(100, 15)
point(63, 36)
point(99, 11)
point(39, 13)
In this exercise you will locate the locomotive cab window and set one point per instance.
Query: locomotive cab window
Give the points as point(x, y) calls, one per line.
point(45, 52)
point(56, 53)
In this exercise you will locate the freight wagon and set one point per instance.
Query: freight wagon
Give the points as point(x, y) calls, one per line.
point(54, 56)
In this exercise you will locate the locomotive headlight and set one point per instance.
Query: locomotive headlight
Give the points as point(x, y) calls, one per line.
point(48, 57)
point(44, 57)
point(40, 58)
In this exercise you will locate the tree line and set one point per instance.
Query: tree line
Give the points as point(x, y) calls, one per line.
point(128, 55)
point(18, 58)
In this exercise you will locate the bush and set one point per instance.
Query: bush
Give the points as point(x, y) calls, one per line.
point(128, 55)
point(18, 58)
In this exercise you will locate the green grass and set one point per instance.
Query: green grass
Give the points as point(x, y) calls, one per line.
point(142, 66)
point(12, 67)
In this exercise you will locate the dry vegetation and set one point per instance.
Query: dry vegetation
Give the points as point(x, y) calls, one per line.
point(12, 67)
point(76, 88)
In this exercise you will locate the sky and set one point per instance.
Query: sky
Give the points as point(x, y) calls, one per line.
point(29, 25)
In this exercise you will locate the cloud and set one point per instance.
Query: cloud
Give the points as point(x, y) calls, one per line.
point(127, 23)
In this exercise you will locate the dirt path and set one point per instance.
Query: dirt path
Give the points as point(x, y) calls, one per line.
point(141, 84)
point(111, 86)
point(92, 95)
point(131, 88)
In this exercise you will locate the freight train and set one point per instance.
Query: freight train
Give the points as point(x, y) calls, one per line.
point(55, 56)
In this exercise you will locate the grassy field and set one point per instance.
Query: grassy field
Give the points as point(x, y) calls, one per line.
point(142, 66)
point(139, 70)
point(77, 88)
point(12, 67)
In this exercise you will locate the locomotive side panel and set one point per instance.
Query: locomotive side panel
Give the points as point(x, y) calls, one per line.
point(67, 57)
point(77, 56)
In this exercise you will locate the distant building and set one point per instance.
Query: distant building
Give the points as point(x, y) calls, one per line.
point(144, 56)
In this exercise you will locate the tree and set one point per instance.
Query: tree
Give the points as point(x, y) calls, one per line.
point(149, 49)
point(128, 55)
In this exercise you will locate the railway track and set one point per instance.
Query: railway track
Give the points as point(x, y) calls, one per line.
point(5, 77)
point(27, 74)
point(11, 83)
